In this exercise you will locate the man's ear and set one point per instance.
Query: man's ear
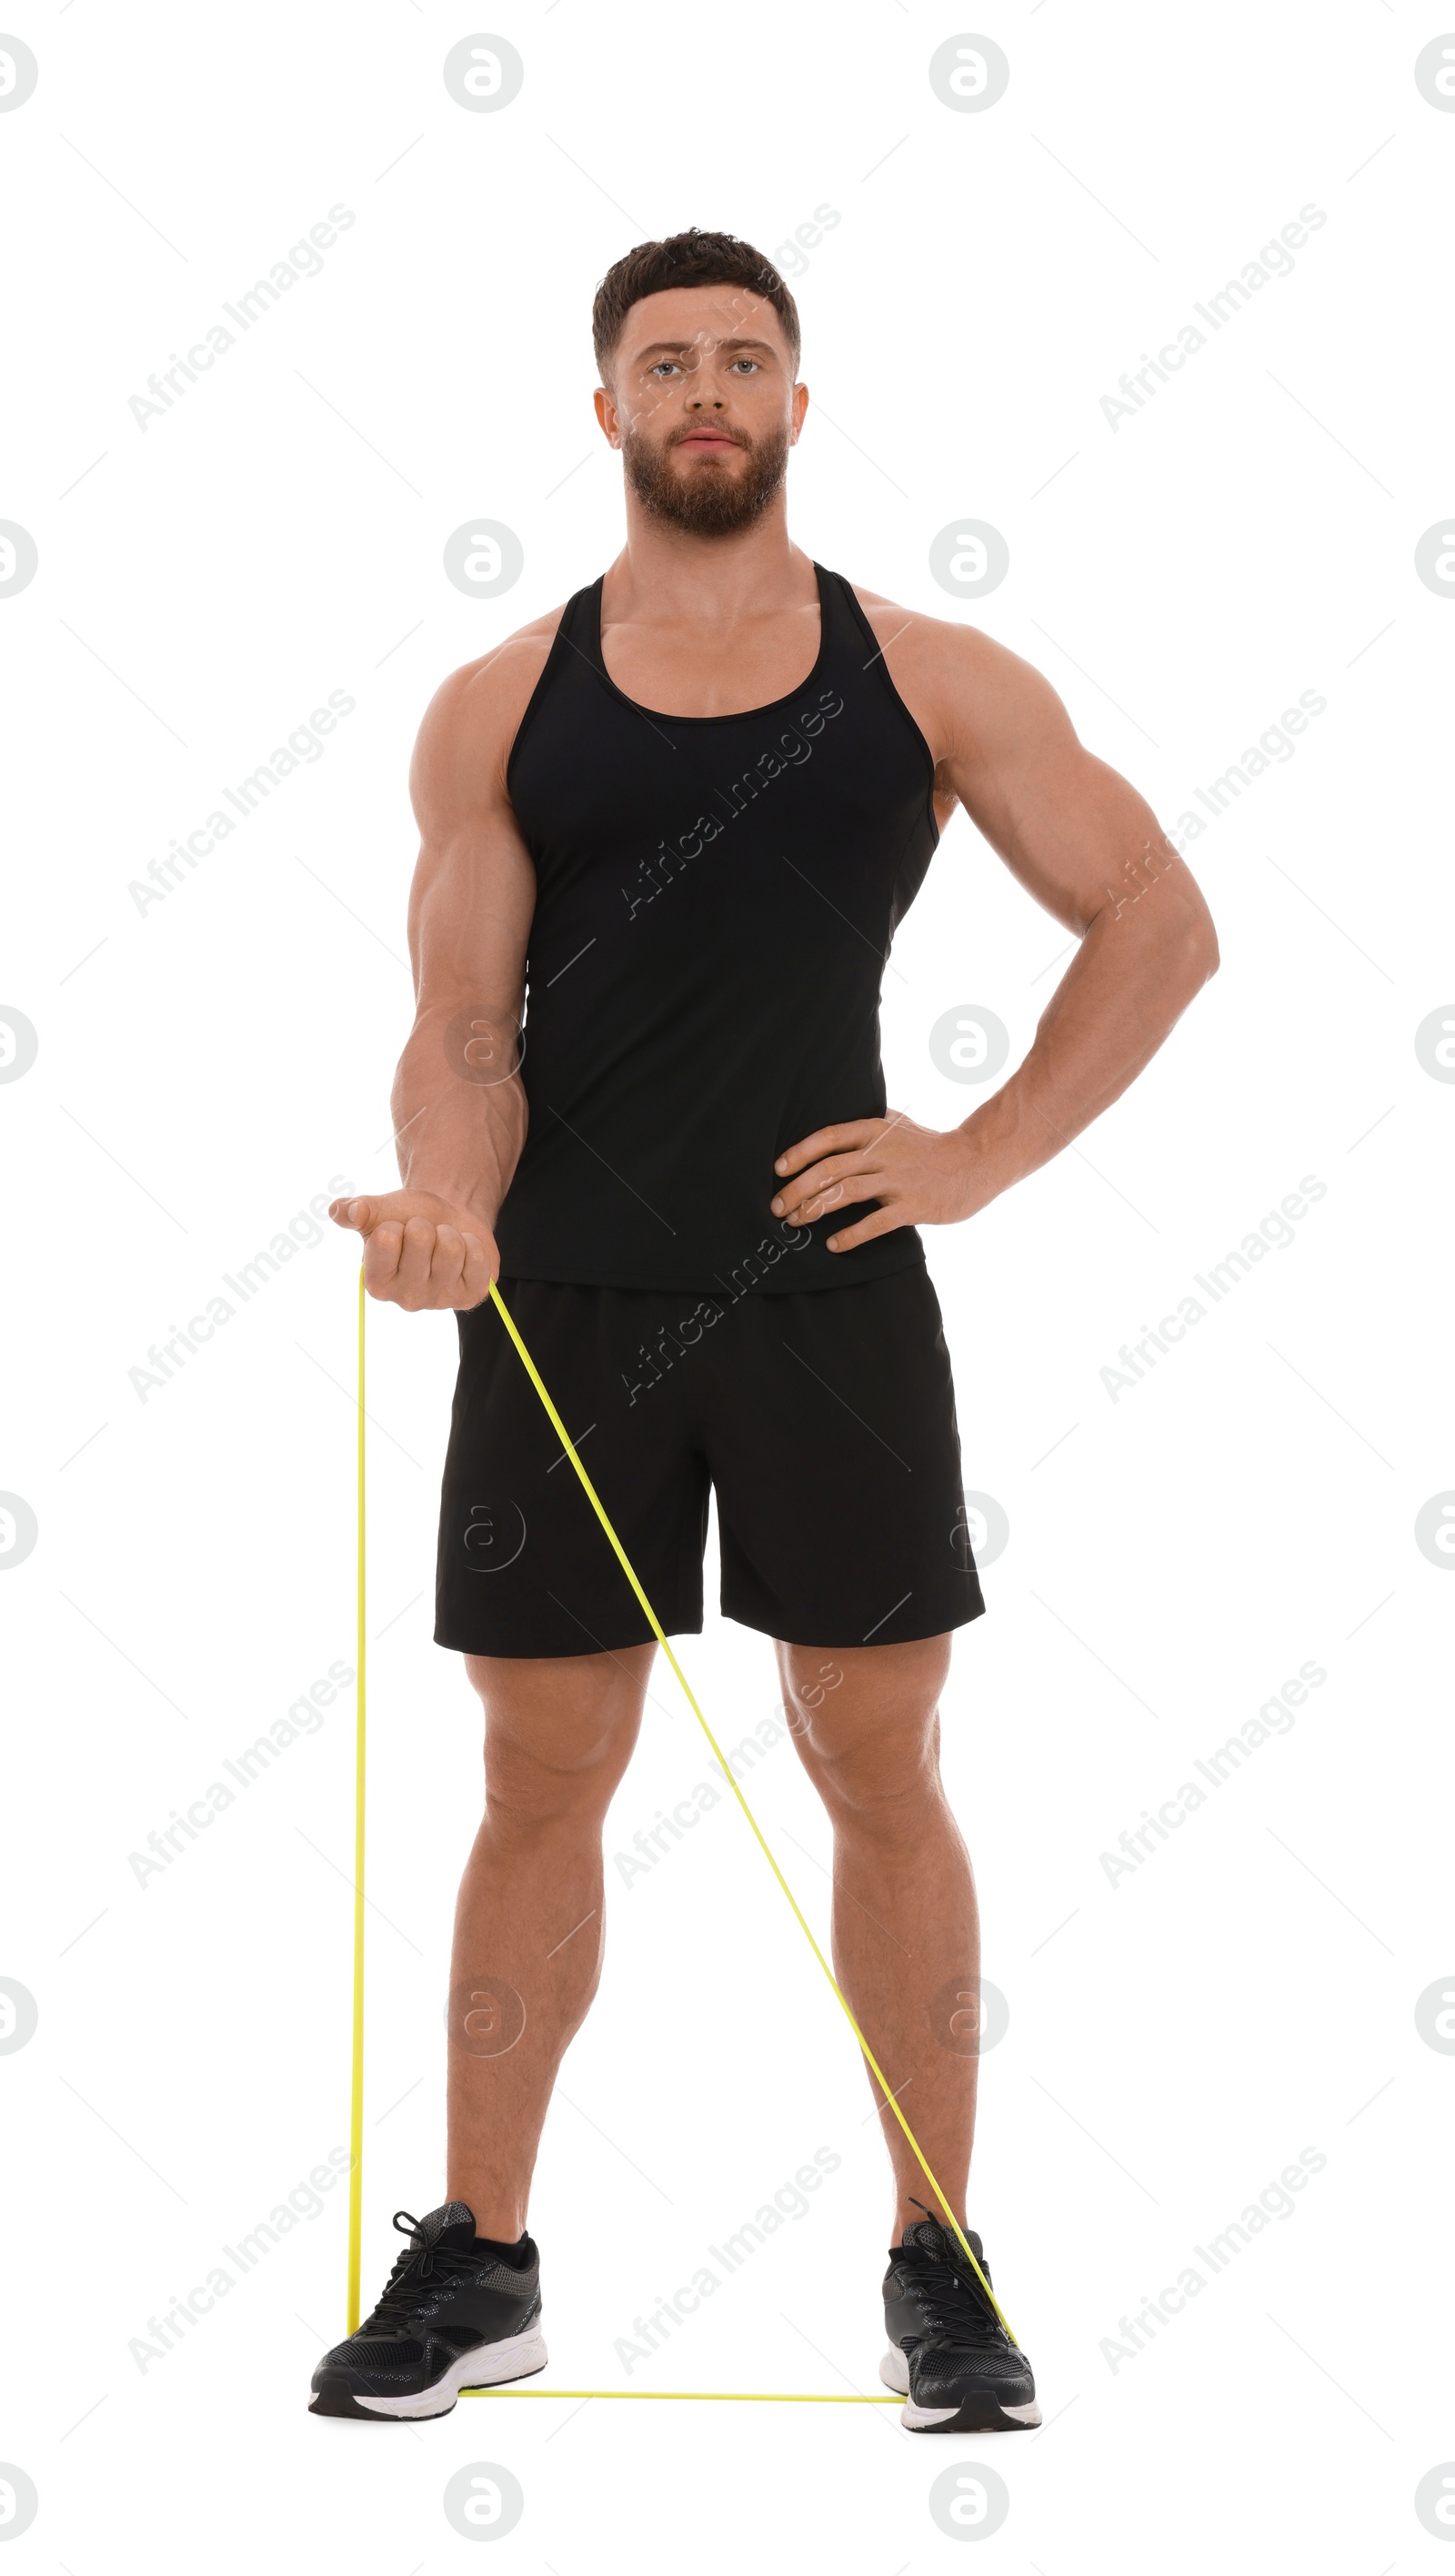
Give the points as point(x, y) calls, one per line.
point(607, 414)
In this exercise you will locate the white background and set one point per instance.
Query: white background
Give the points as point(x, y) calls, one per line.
point(209, 1065)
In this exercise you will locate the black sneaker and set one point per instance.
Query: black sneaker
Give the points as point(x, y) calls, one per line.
point(949, 2355)
point(453, 2315)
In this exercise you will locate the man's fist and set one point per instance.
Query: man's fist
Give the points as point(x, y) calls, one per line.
point(419, 1250)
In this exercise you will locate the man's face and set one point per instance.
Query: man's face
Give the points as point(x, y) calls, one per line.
point(703, 406)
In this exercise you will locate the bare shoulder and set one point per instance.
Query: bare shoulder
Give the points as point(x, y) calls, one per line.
point(465, 739)
point(953, 670)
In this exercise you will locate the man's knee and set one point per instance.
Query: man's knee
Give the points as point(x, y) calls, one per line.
point(883, 1784)
point(866, 1723)
point(558, 1734)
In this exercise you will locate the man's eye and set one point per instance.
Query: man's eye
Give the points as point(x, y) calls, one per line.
point(748, 365)
point(664, 367)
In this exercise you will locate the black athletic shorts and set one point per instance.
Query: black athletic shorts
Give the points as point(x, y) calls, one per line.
point(823, 1419)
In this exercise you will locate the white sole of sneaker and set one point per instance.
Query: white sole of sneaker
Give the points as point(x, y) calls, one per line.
point(894, 2371)
point(488, 2365)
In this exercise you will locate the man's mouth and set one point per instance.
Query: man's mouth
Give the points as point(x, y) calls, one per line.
point(714, 439)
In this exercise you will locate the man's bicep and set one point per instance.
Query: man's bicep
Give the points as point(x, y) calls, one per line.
point(470, 910)
point(1071, 829)
point(473, 894)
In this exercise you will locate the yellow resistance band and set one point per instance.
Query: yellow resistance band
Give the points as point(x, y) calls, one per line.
point(660, 1634)
point(722, 2396)
point(356, 2100)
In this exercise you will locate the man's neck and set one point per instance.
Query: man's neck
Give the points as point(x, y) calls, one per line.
point(664, 576)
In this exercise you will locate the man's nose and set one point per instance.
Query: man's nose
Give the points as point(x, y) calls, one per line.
point(695, 401)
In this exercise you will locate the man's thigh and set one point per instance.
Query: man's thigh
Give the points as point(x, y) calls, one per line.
point(834, 1449)
point(524, 1567)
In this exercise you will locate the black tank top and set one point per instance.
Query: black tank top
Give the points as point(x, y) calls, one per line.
point(715, 899)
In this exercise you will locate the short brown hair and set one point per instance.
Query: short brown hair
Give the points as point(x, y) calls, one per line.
point(692, 258)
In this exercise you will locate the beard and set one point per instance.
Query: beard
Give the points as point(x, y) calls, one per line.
point(706, 500)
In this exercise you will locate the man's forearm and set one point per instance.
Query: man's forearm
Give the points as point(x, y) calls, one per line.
point(1127, 986)
point(460, 1111)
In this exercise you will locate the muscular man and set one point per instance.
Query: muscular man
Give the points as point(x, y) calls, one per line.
point(683, 815)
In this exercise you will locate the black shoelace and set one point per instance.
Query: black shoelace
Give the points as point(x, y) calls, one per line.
point(954, 2306)
point(399, 2303)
